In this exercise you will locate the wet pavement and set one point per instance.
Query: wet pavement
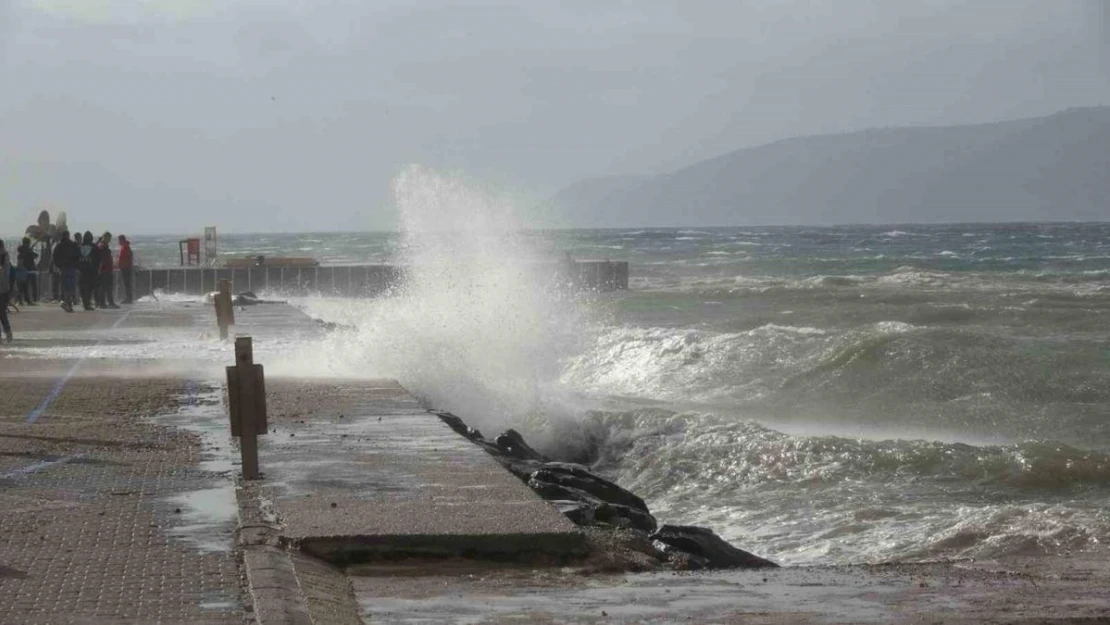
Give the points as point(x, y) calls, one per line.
point(119, 496)
point(117, 491)
point(360, 470)
point(1065, 590)
point(89, 528)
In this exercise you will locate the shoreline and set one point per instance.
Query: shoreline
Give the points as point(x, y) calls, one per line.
point(591, 501)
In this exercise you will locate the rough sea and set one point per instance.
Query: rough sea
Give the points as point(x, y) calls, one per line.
point(816, 395)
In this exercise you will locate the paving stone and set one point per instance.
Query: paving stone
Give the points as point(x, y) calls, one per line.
point(85, 523)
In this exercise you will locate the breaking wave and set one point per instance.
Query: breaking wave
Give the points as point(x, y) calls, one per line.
point(807, 498)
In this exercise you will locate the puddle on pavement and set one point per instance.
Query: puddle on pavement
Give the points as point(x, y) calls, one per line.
point(206, 517)
point(219, 605)
point(301, 476)
point(209, 518)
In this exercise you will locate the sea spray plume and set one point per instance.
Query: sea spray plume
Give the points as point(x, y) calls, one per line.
point(479, 326)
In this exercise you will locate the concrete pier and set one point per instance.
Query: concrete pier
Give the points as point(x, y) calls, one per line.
point(340, 280)
point(369, 477)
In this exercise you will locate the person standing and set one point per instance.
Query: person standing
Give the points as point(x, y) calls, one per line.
point(6, 287)
point(65, 261)
point(105, 280)
point(29, 288)
point(126, 261)
point(88, 263)
point(50, 271)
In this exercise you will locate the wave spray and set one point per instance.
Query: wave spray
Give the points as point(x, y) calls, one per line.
point(481, 323)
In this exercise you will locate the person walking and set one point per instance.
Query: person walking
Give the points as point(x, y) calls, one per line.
point(126, 261)
point(28, 288)
point(105, 280)
point(88, 263)
point(65, 261)
point(6, 286)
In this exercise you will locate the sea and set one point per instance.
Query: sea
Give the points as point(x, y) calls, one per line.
point(816, 395)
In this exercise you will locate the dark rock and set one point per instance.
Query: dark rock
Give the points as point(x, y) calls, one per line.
point(576, 476)
point(555, 492)
point(579, 512)
point(248, 298)
point(461, 428)
point(512, 444)
point(616, 550)
point(523, 469)
point(626, 516)
point(604, 512)
point(702, 542)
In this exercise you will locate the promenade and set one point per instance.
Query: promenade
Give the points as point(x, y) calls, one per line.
point(121, 502)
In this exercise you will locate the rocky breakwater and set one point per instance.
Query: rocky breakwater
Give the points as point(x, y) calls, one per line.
point(617, 519)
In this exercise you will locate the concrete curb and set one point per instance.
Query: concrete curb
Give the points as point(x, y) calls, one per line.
point(288, 587)
point(536, 549)
point(277, 597)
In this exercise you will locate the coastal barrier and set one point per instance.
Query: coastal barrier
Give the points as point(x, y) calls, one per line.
point(342, 280)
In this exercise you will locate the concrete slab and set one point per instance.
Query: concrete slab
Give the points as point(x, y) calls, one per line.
point(363, 472)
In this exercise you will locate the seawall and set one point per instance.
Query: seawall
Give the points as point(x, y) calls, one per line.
point(343, 280)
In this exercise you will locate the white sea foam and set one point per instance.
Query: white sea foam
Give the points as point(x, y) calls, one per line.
point(161, 296)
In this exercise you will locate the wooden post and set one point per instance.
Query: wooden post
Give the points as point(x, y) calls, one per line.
point(225, 312)
point(246, 392)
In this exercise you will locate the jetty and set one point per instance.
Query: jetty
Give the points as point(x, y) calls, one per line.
point(301, 278)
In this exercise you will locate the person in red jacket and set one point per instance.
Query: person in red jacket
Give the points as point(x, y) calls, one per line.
point(105, 277)
point(125, 263)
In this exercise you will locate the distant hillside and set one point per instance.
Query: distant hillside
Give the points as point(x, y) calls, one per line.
point(1047, 168)
point(595, 192)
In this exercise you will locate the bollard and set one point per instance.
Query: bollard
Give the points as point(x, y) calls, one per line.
point(246, 398)
point(225, 312)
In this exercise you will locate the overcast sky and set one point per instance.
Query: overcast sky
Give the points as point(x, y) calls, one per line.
point(271, 115)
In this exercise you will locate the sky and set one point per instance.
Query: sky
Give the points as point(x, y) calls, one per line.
point(164, 116)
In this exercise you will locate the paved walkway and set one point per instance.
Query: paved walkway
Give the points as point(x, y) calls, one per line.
point(114, 496)
point(104, 510)
point(89, 497)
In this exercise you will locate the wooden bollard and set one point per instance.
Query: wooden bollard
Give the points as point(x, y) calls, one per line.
point(246, 398)
point(225, 312)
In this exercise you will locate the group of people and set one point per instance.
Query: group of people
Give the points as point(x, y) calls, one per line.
point(83, 267)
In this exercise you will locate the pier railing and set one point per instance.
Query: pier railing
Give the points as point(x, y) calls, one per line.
point(340, 280)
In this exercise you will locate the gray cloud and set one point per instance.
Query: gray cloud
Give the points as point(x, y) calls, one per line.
point(282, 116)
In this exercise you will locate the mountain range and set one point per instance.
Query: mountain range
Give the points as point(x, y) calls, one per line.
point(1053, 168)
